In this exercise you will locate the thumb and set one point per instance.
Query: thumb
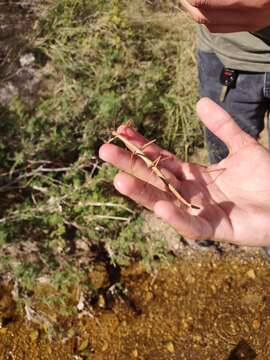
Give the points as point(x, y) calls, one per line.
point(221, 124)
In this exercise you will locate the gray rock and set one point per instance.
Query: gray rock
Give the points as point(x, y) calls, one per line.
point(27, 59)
point(7, 93)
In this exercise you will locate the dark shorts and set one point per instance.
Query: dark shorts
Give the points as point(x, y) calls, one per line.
point(248, 103)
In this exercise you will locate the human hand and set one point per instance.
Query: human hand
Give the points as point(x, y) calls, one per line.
point(233, 195)
point(226, 16)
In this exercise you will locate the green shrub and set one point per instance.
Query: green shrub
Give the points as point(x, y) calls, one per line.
point(102, 63)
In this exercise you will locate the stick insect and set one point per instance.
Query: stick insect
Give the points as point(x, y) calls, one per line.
point(153, 165)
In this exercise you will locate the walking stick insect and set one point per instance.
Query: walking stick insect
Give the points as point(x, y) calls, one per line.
point(153, 165)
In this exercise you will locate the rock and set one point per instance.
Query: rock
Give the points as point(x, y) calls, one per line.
point(101, 302)
point(135, 353)
point(170, 347)
point(27, 83)
point(27, 59)
point(105, 346)
point(34, 335)
point(148, 296)
point(82, 244)
point(251, 274)
point(45, 279)
point(7, 93)
point(256, 324)
point(83, 345)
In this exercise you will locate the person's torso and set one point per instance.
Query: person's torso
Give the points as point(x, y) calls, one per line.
point(242, 51)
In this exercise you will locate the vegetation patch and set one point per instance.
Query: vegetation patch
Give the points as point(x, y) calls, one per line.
point(96, 64)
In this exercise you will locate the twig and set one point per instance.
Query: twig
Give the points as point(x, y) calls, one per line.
point(109, 217)
point(152, 165)
point(100, 204)
point(76, 226)
point(19, 178)
point(38, 171)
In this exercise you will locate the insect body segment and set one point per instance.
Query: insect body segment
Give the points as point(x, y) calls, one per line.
point(153, 165)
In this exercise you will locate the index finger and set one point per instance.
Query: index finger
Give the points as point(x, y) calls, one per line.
point(151, 149)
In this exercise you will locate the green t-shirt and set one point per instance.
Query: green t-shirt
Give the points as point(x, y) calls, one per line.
point(241, 51)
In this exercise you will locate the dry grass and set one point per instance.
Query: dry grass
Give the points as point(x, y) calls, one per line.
point(102, 63)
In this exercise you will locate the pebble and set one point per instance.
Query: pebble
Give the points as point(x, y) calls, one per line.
point(135, 353)
point(27, 59)
point(101, 302)
point(251, 274)
point(197, 338)
point(256, 324)
point(148, 296)
point(34, 335)
point(105, 346)
point(170, 347)
point(83, 345)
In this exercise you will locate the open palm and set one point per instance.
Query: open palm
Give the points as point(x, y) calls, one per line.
point(233, 196)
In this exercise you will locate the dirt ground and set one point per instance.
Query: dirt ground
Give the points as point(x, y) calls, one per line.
point(16, 19)
point(207, 304)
